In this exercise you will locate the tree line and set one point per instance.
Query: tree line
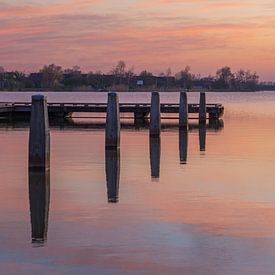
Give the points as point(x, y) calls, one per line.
point(122, 78)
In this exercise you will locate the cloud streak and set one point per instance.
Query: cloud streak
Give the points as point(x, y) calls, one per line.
point(43, 10)
point(97, 34)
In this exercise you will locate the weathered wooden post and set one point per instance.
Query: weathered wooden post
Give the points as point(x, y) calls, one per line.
point(202, 107)
point(39, 138)
point(155, 124)
point(112, 130)
point(183, 145)
point(39, 197)
point(112, 168)
point(155, 150)
point(183, 111)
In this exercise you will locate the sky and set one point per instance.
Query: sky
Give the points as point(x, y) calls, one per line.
point(146, 34)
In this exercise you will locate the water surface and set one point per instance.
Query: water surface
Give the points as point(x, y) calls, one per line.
point(201, 204)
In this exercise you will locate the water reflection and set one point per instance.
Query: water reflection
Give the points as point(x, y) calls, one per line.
point(183, 145)
point(215, 124)
point(99, 123)
point(155, 156)
point(112, 168)
point(39, 197)
point(202, 135)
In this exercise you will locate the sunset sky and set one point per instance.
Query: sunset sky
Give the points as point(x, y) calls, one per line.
point(149, 34)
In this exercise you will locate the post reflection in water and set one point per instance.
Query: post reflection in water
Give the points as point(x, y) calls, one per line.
point(112, 168)
point(183, 145)
point(202, 135)
point(39, 197)
point(155, 157)
point(216, 124)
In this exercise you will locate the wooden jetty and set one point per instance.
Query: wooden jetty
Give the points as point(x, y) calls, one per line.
point(140, 110)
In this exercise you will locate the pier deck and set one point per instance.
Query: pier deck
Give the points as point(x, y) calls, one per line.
point(140, 110)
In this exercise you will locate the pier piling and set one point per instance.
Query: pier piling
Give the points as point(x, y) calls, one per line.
point(39, 137)
point(112, 130)
point(202, 108)
point(183, 111)
point(155, 115)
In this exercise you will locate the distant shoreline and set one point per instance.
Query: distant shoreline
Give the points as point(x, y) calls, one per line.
point(171, 91)
point(149, 91)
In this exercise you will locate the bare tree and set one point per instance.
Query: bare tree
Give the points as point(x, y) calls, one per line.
point(51, 75)
point(129, 75)
point(252, 80)
point(119, 70)
point(145, 73)
point(168, 74)
point(185, 77)
point(225, 77)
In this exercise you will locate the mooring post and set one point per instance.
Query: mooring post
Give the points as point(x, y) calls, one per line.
point(155, 115)
point(202, 108)
point(112, 130)
point(39, 137)
point(183, 111)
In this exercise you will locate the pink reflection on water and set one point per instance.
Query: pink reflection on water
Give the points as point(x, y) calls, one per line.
point(212, 215)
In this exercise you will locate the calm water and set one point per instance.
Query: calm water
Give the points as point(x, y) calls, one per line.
point(211, 213)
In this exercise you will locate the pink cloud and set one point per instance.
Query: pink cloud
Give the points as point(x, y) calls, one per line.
point(44, 10)
point(148, 39)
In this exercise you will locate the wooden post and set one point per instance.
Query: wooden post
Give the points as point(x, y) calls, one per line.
point(202, 108)
point(39, 197)
point(155, 156)
point(183, 145)
point(112, 168)
point(112, 130)
point(39, 138)
point(183, 111)
point(155, 115)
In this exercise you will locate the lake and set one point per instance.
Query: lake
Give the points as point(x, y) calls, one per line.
point(196, 203)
